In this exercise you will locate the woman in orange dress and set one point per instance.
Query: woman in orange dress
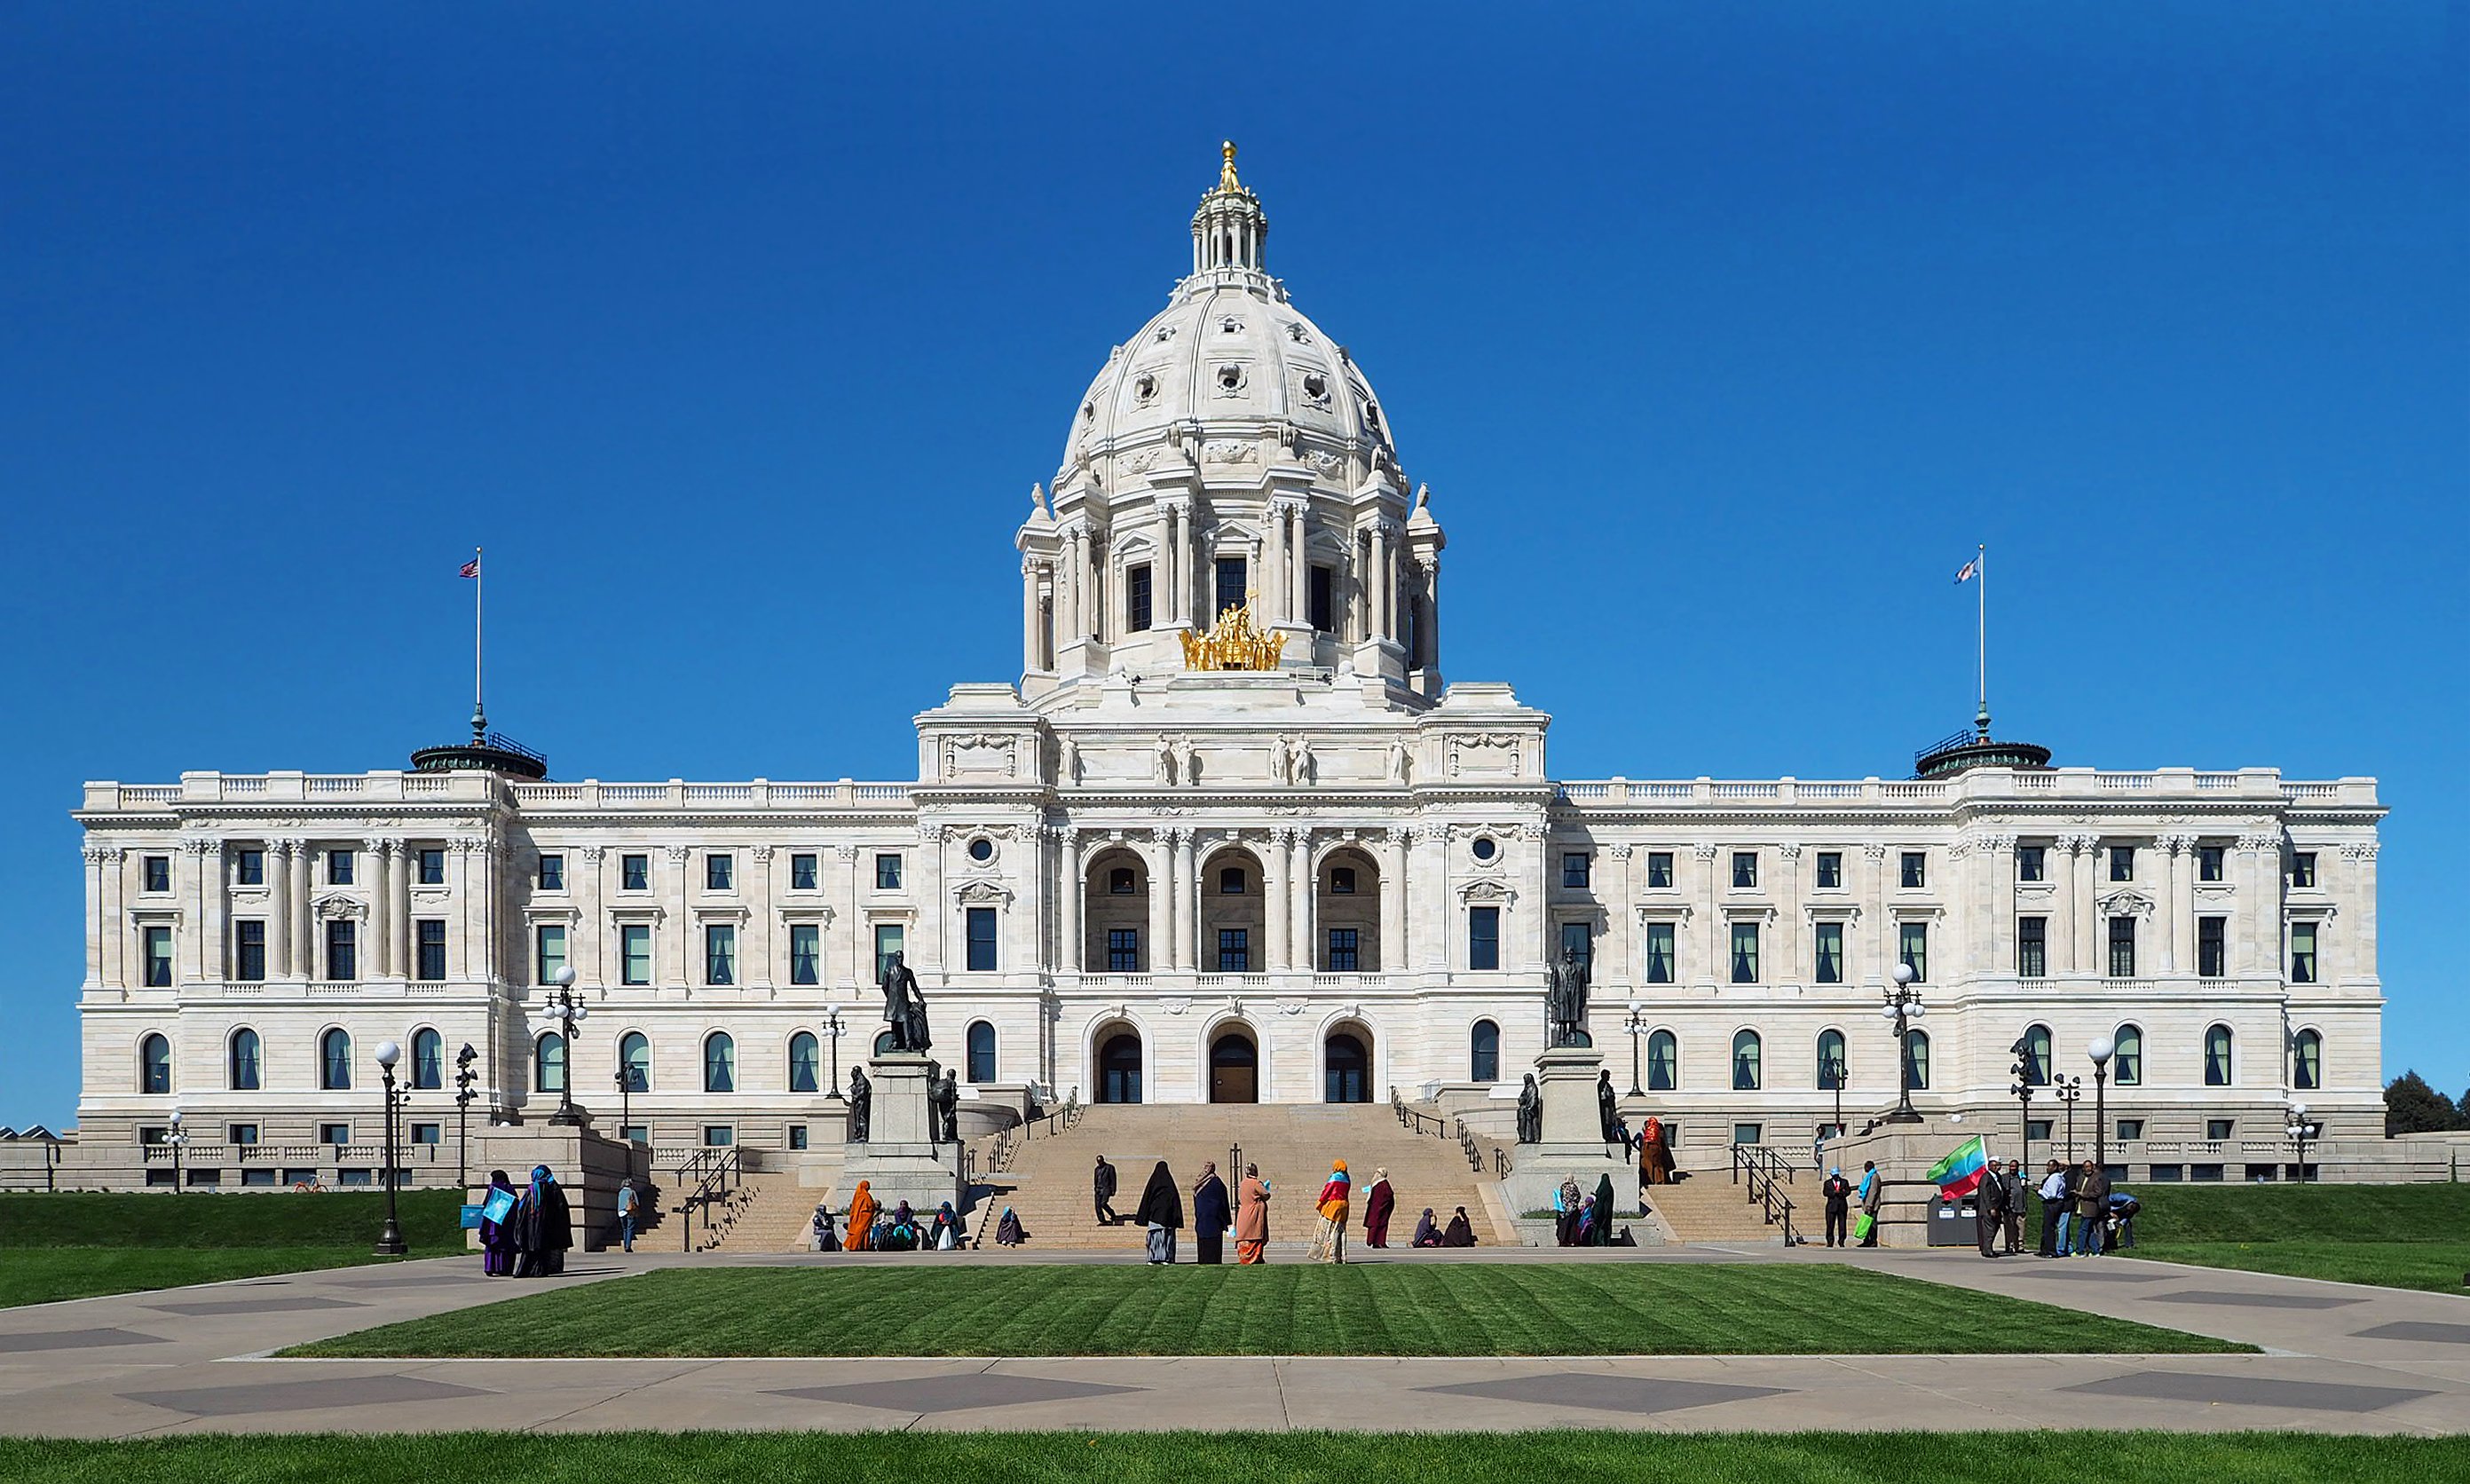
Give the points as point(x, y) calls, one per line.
point(861, 1221)
point(1329, 1244)
point(1252, 1217)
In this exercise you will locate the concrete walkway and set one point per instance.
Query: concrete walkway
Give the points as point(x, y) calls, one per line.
point(2341, 1359)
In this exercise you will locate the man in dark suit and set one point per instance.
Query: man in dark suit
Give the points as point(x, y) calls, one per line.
point(1838, 1195)
point(2015, 1206)
point(1101, 1189)
point(1989, 1209)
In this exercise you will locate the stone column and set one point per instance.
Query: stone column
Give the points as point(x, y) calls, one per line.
point(681, 920)
point(113, 930)
point(1159, 858)
point(304, 928)
point(1384, 584)
point(2259, 900)
point(98, 859)
point(2087, 850)
point(1187, 902)
point(1712, 968)
point(1278, 899)
point(935, 912)
point(278, 908)
point(2354, 952)
point(1789, 964)
point(758, 922)
point(588, 950)
point(1303, 944)
point(860, 934)
point(380, 945)
point(1998, 889)
point(2182, 904)
point(1390, 953)
point(406, 867)
point(1073, 901)
point(1030, 658)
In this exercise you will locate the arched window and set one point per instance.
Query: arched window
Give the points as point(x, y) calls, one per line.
point(247, 1060)
point(1663, 1062)
point(334, 1060)
point(2037, 1056)
point(806, 1063)
point(2217, 1056)
point(1916, 1059)
point(982, 1052)
point(154, 1065)
point(2307, 1061)
point(1831, 1065)
point(2126, 1063)
point(1745, 1061)
point(1484, 1052)
point(719, 1063)
point(635, 1056)
point(548, 1064)
point(427, 1061)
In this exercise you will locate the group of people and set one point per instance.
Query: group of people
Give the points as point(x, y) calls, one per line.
point(1459, 1233)
point(1840, 1194)
point(2081, 1213)
point(1245, 1212)
point(524, 1233)
point(1580, 1219)
point(873, 1227)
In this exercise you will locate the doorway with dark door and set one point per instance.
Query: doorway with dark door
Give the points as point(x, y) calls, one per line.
point(1234, 1068)
point(1348, 1069)
point(1119, 1068)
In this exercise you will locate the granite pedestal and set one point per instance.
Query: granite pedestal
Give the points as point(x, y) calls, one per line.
point(900, 1159)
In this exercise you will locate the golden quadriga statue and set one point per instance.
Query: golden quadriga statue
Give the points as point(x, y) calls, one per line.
point(1233, 643)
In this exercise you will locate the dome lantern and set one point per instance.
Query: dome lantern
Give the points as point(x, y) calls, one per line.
point(1229, 229)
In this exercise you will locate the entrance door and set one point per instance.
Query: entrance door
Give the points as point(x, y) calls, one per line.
point(1234, 1069)
point(1119, 1069)
point(1348, 1073)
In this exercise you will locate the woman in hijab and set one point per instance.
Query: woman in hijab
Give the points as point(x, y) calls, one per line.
point(1161, 1211)
point(1378, 1202)
point(945, 1236)
point(1601, 1234)
point(820, 1231)
point(498, 1237)
point(861, 1220)
point(1210, 1217)
point(543, 1227)
point(1329, 1243)
point(1252, 1217)
point(1565, 1212)
point(1426, 1234)
point(903, 1229)
point(1461, 1232)
point(1654, 1156)
point(1007, 1230)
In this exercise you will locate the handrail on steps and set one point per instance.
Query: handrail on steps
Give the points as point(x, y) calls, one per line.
point(708, 1179)
point(1764, 1171)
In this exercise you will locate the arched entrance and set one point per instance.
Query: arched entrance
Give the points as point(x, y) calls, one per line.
point(1234, 1067)
point(1346, 1068)
point(1119, 1066)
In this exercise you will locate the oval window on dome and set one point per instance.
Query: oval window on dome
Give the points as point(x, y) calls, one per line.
point(1231, 377)
point(1144, 386)
point(1088, 411)
point(1485, 847)
point(1315, 387)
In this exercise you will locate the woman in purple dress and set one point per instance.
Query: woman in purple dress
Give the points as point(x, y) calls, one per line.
point(498, 1237)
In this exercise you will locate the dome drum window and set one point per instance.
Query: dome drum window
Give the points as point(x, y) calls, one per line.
point(1485, 849)
point(1317, 388)
point(1230, 379)
point(981, 849)
point(1145, 387)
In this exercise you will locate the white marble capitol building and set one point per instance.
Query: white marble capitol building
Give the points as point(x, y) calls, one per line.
point(1193, 854)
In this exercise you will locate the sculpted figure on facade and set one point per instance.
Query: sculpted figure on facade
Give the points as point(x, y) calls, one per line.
point(1530, 1112)
point(861, 1105)
point(1565, 1001)
point(904, 1007)
point(945, 1103)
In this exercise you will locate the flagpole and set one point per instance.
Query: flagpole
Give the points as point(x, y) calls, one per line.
point(1981, 636)
point(480, 717)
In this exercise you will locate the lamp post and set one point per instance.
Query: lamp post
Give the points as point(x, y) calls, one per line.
point(390, 1240)
point(2021, 1090)
point(1835, 1081)
point(2101, 1050)
point(178, 1140)
point(2067, 1089)
point(625, 1100)
point(464, 1079)
point(1636, 1026)
point(2299, 1130)
point(834, 1028)
point(571, 1012)
point(1904, 1006)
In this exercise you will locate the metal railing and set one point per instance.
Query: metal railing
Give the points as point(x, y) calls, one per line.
point(708, 1179)
point(1417, 1122)
point(1468, 1147)
point(1764, 1171)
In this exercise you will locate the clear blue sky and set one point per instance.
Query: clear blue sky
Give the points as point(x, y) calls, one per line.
point(1721, 341)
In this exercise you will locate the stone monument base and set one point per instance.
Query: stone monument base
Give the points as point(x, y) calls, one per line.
point(1573, 1146)
point(901, 1160)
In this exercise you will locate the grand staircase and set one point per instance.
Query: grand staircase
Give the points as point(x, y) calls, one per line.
point(1048, 1179)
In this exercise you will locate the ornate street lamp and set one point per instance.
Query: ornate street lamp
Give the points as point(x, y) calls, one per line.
point(1904, 1006)
point(2300, 1130)
point(1636, 1026)
point(1835, 1069)
point(2021, 1090)
point(464, 1079)
point(178, 1140)
point(2102, 1048)
point(2067, 1089)
point(571, 1012)
point(836, 1028)
point(390, 1240)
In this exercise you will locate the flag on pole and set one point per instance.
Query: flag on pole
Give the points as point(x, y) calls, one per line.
point(1960, 1172)
point(472, 568)
point(1970, 571)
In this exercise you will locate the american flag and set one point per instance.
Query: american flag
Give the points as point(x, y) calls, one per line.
point(1970, 571)
point(472, 568)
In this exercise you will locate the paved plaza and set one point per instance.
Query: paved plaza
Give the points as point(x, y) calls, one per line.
point(2336, 1358)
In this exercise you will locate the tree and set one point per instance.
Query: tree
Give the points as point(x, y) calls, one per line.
point(2412, 1106)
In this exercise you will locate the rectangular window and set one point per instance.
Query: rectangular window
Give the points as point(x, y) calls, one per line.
point(244, 1133)
point(797, 1136)
point(2122, 862)
point(1912, 947)
point(249, 951)
point(428, 1133)
point(2032, 947)
point(548, 952)
point(1745, 870)
point(2220, 1130)
point(2130, 1129)
point(1123, 950)
point(1341, 881)
point(1831, 870)
point(801, 873)
point(342, 949)
point(2032, 863)
point(887, 872)
point(252, 868)
point(1747, 1133)
point(553, 872)
point(718, 1136)
point(1136, 599)
point(335, 1134)
point(339, 865)
point(2122, 947)
point(1576, 937)
point(1574, 868)
point(1483, 937)
point(2208, 863)
point(1745, 953)
point(1234, 951)
point(806, 953)
point(430, 943)
point(159, 958)
point(1659, 953)
point(890, 937)
point(635, 953)
point(1830, 967)
point(719, 871)
point(428, 866)
point(981, 928)
point(2303, 953)
point(1343, 958)
point(634, 874)
point(1915, 864)
point(2302, 868)
point(157, 870)
point(2212, 947)
point(720, 953)
point(1659, 869)
point(1232, 586)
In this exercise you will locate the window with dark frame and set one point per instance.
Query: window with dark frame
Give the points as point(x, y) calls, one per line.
point(806, 953)
point(1341, 881)
point(635, 953)
point(428, 866)
point(1232, 586)
point(1123, 950)
point(2302, 868)
point(248, 950)
point(1343, 958)
point(2122, 947)
point(1659, 953)
point(1745, 870)
point(981, 937)
point(887, 871)
point(1659, 869)
point(2208, 863)
point(2032, 947)
point(1912, 948)
point(342, 950)
point(340, 867)
point(1234, 951)
point(719, 871)
point(720, 953)
point(2303, 953)
point(1831, 870)
point(2212, 947)
point(1483, 937)
point(1914, 869)
point(2122, 862)
point(1575, 869)
point(548, 952)
point(159, 958)
point(429, 961)
point(1577, 937)
point(553, 872)
point(251, 869)
point(634, 874)
point(1231, 881)
point(1745, 953)
point(1121, 881)
point(802, 872)
point(1321, 596)
point(2032, 863)
point(1828, 966)
point(1137, 598)
point(156, 871)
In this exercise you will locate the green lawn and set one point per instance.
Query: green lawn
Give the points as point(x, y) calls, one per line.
point(2396, 1236)
point(1364, 1309)
point(83, 1244)
point(1235, 1459)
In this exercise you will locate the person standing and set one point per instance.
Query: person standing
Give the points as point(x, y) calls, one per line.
point(1874, 1193)
point(1329, 1243)
point(1101, 1190)
point(1252, 1217)
point(1654, 1154)
point(2054, 1205)
point(1566, 1200)
point(1161, 1211)
point(1210, 1217)
point(1989, 1209)
point(543, 1227)
point(626, 1215)
point(2093, 1208)
point(1378, 1203)
point(1838, 1192)
point(498, 1237)
point(861, 1220)
point(1600, 1235)
point(2015, 1193)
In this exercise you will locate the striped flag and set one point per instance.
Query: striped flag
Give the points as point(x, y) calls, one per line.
point(472, 568)
point(1960, 1172)
point(1963, 574)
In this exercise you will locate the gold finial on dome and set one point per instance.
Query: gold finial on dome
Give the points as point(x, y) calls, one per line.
point(1226, 180)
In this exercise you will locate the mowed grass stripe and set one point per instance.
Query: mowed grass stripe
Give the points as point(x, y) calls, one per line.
point(1379, 1310)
